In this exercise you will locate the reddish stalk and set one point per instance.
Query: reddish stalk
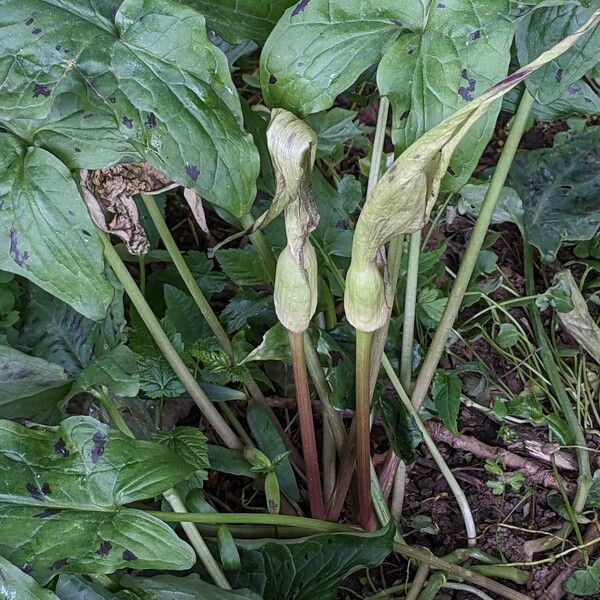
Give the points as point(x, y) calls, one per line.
point(307, 429)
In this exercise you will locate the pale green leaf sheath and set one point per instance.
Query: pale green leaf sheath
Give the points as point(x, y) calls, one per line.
point(403, 198)
point(292, 145)
point(62, 506)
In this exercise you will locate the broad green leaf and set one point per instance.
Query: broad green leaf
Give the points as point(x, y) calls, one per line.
point(54, 331)
point(17, 585)
point(269, 441)
point(559, 190)
point(116, 369)
point(404, 196)
point(319, 48)
point(48, 235)
point(508, 209)
point(431, 303)
point(189, 443)
point(460, 49)
point(74, 587)
point(30, 387)
point(243, 266)
point(311, 568)
point(240, 20)
point(445, 392)
point(139, 64)
point(204, 147)
point(543, 28)
point(275, 345)
point(191, 587)
point(229, 461)
point(63, 494)
point(399, 426)
point(584, 582)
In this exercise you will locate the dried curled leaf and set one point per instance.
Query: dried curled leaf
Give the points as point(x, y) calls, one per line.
point(292, 145)
point(195, 203)
point(578, 322)
point(404, 197)
point(109, 193)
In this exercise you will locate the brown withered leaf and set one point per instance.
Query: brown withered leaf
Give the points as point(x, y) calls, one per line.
point(195, 203)
point(109, 193)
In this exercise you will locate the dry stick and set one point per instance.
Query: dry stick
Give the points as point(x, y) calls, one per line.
point(534, 473)
point(469, 260)
point(418, 581)
point(207, 311)
point(307, 429)
point(173, 498)
point(207, 408)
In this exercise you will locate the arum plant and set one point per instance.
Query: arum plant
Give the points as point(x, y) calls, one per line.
point(399, 204)
point(292, 146)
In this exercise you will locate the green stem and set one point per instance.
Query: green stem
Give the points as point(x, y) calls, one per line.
point(307, 428)
point(469, 260)
point(174, 500)
point(410, 310)
point(162, 341)
point(418, 581)
point(584, 480)
point(378, 140)
point(362, 417)
point(435, 453)
point(142, 266)
point(262, 247)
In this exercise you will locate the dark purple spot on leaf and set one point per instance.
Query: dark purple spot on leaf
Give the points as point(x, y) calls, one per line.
point(129, 555)
point(441, 5)
point(3, 130)
point(411, 50)
point(404, 115)
point(19, 257)
point(35, 492)
point(29, 21)
point(300, 64)
point(57, 47)
point(104, 549)
point(151, 121)
point(272, 79)
point(48, 512)
point(60, 448)
point(465, 92)
point(341, 224)
point(127, 122)
point(192, 171)
point(77, 150)
point(112, 99)
point(558, 75)
point(475, 35)
point(88, 115)
point(300, 7)
point(41, 90)
point(396, 22)
point(45, 489)
point(99, 440)
point(27, 569)
point(72, 213)
point(573, 90)
point(58, 564)
point(86, 232)
point(36, 31)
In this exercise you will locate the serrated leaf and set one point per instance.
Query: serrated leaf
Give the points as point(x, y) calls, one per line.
point(320, 47)
point(17, 585)
point(48, 235)
point(243, 266)
point(185, 316)
point(239, 20)
point(191, 587)
point(244, 306)
point(63, 497)
point(558, 187)
point(542, 29)
point(189, 443)
point(311, 568)
point(23, 380)
point(445, 392)
point(458, 51)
